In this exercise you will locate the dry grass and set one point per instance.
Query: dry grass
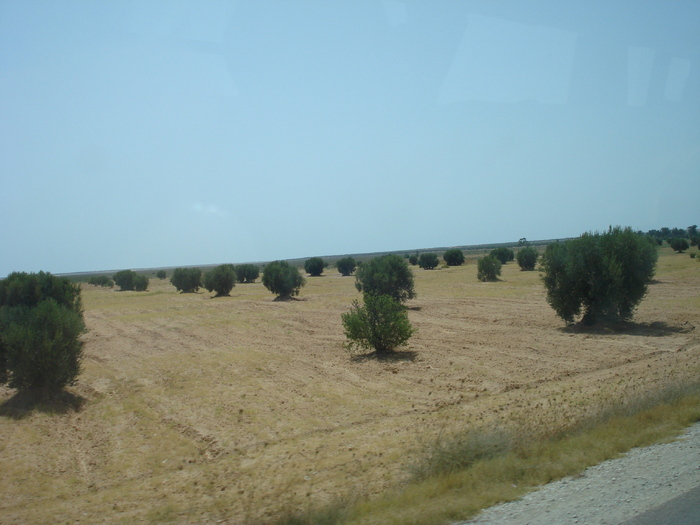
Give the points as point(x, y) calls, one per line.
point(241, 409)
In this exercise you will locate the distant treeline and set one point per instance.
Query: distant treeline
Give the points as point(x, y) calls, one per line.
point(691, 232)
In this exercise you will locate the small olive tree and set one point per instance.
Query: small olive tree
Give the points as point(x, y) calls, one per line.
point(503, 254)
point(527, 258)
point(125, 280)
point(101, 280)
point(314, 266)
point(141, 283)
point(221, 280)
point(41, 320)
point(453, 257)
point(380, 324)
point(161, 274)
point(186, 280)
point(247, 273)
point(428, 261)
point(679, 244)
point(346, 266)
point(282, 279)
point(488, 268)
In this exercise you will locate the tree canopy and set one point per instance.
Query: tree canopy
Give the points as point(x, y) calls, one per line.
point(381, 324)
point(221, 279)
point(453, 257)
point(282, 279)
point(247, 273)
point(346, 266)
point(527, 258)
point(314, 266)
point(503, 254)
point(386, 275)
point(602, 276)
point(428, 261)
point(41, 320)
point(488, 268)
point(186, 280)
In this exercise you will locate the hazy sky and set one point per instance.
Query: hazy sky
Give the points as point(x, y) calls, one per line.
point(141, 134)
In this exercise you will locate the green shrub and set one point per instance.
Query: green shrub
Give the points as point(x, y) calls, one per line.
point(604, 276)
point(527, 258)
point(125, 280)
point(413, 259)
point(140, 283)
point(41, 346)
point(428, 261)
point(247, 273)
point(130, 280)
point(282, 279)
point(161, 274)
point(386, 275)
point(101, 280)
point(186, 280)
point(221, 279)
point(692, 255)
point(314, 266)
point(678, 244)
point(453, 257)
point(381, 324)
point(488, 268)
point(41, 320)
point(503, 254)
point(346, 266)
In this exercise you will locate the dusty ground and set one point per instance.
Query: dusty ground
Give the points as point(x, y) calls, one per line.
point(199, 410)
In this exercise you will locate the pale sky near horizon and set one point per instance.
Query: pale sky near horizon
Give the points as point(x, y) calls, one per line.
point(138, 134)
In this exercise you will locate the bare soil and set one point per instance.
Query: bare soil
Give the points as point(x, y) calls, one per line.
point(195, 409)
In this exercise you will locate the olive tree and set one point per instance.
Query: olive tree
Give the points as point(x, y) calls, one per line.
point(488, 268)
point(282, 279)
point(125, 280)
point(503, 254)
point(346, 266)
point(527, 258)
point(186, 280)
point(314, 266)
point(221, 279)
point(601, 277)
point(381, 324)
point(428, 261)
point(453, 257)
point(41, 320)
point(247, 273)
point(386, 275)
point(679, 244)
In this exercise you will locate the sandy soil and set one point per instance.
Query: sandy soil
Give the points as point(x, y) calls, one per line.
point(198, 409)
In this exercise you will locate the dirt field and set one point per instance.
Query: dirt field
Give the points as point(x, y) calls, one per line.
point(199, 409)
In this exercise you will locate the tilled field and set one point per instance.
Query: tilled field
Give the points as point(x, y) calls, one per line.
point(197, 410)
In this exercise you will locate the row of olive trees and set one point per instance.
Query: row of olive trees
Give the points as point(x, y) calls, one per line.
point(489, 267)
point(315, 266)
point(598, 278)
point(220, 279)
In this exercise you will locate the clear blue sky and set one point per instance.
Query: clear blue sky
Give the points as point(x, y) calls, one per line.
point(137, 134)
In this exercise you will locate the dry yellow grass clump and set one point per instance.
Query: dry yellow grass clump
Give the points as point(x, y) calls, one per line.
point(195, 409)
